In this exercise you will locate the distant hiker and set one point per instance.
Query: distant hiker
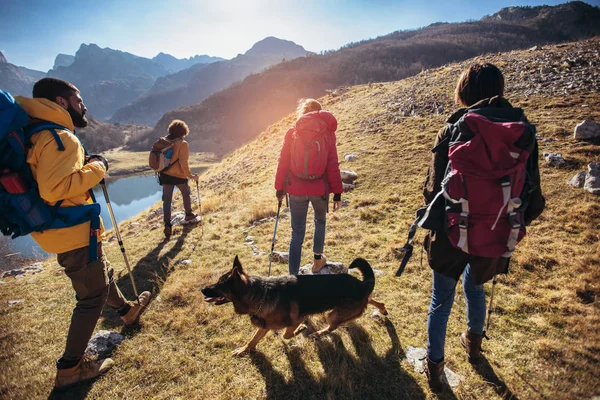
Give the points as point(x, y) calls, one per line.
point(174, 170)
point(308, 171)
point(482, 188)
point(65, 178)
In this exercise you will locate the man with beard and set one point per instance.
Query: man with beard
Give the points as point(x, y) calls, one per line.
point(65, 177)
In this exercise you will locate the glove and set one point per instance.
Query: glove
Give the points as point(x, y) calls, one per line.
point(98, 157)
point(280, 195)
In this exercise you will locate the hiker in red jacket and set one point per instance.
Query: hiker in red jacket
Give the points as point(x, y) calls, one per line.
point(482, 188)
point(308, 171)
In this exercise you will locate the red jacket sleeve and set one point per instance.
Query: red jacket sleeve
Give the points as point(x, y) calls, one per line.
point(284, 161)
point(334, 178)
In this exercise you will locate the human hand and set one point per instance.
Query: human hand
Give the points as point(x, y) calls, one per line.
point(98, 158)
point(280, 195)
point(337, 205)
point(195, 178)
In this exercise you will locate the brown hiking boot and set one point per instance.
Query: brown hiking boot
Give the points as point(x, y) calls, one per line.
point(472, 344)
point(133, 315)
point(319, 264)
point(168, 231)
point(434, 372)
point(83, 371)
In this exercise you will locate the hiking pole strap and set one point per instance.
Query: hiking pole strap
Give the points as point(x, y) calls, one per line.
point(408, 247)
point(119, 239)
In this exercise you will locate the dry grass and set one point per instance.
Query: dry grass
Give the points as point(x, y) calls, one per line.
point(123, 162)
point(545, 341)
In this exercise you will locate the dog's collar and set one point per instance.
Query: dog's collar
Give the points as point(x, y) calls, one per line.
point(262, 302)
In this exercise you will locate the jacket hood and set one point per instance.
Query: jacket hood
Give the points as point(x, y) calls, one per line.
point(494, 102)
point(325, 116)
point(46, 110)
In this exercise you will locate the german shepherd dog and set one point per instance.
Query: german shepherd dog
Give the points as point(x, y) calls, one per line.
point(280, 302)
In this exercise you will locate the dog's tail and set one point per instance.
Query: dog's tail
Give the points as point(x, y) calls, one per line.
point(366, 271)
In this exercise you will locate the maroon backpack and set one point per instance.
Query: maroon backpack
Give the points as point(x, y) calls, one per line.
point(484, 192)
point(310, 148)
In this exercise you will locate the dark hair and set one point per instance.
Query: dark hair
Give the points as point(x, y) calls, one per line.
point(178, 129)
point(51, 88)
point(478, 82)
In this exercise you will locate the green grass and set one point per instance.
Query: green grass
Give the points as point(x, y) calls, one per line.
point(544, 336)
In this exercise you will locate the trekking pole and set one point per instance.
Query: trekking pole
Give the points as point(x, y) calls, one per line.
point(487, 328)
point(119, 239)
point(199, 206)
point(274, 233)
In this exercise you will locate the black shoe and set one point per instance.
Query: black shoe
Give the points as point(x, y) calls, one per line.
point(168, 231)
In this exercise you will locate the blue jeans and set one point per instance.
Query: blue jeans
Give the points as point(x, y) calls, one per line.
point(443, 291)
point(298, 211)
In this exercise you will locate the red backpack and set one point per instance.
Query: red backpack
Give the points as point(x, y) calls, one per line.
point(484, 183)
point(484, 192)
point(309, 149)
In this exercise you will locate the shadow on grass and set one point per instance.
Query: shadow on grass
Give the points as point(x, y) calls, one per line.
point(79, 391)
point(150, 273)
point(486, 371)
point(364, 376)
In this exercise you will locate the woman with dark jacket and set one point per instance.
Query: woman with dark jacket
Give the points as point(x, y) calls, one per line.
point(309, 189)
point(479, 87)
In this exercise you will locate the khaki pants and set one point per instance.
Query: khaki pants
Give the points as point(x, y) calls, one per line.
point(94, 285)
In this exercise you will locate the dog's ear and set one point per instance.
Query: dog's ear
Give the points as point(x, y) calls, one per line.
point(237, 266)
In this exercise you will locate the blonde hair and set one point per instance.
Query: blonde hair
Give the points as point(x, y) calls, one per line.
point(178, 129)
point(307, 105)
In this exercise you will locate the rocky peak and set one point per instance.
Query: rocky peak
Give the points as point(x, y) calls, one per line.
point(63, 60)
point(274, 46)
point(2, 58)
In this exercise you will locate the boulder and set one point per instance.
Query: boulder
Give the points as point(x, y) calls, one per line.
point(330, 268)
point(350, 157)
point(102, 344)
point(281, 257)
point(348, 176)
point(578, 180)
point(15, 302)
point(588, 129)
point(554, 159)
point(348, 187)
point(592, 178)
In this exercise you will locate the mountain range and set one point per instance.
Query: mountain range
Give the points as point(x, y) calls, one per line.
point(197, 83)
point(237, 114)
point(107, 78)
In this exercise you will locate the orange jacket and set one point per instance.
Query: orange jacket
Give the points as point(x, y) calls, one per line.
point(60, 175)
point(180, 167)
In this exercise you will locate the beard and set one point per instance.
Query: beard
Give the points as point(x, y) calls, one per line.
point(79, 120)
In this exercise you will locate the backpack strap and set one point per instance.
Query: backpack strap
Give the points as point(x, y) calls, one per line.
point(71, 216)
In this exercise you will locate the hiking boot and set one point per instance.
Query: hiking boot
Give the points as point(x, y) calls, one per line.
point(472, 344)
point(434, 372)
point(83, 371)
point(168, 231)
point(190, 217)
point(319, 264)
point(133, 315)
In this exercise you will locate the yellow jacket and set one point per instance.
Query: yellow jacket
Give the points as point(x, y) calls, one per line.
point(60, 175)
point(180, 166)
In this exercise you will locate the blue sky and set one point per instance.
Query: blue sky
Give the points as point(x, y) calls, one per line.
point(38, 30)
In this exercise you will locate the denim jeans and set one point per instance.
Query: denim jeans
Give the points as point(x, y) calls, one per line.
point(298, 211)
point(443, 290)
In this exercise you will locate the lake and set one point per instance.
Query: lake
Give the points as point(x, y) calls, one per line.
point(128, 197)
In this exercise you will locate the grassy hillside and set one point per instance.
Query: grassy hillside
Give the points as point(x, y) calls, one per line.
point(236, 115)
point(545, 341)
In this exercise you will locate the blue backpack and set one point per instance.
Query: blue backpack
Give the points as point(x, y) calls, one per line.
point(22, 209)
